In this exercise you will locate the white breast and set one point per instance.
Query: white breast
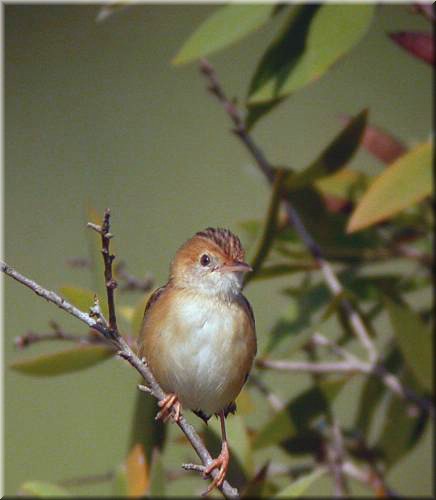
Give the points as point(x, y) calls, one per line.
point(206, 357)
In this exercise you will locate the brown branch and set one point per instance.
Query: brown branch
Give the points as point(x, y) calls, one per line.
point(294, 219)
point(130, 283)
point(335, 459)
point(111, 334)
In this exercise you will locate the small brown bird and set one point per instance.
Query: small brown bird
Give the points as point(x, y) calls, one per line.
point(198, 334)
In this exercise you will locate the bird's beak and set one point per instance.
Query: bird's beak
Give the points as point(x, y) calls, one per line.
point(236, 267)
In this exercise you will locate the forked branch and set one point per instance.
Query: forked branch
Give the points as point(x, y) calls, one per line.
point(110, 332)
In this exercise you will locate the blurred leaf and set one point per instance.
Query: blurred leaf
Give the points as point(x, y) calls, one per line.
point(58, 363)
point(305, 442)
point(42, 489)
point(277, 270)
point(420, 45)
point(372, 393)
point(415, 340)
point(157, 475)
point(298, 414)
point(285, 49)
point(344, 184)
point(126, 312)
point(403, 425)
point(138, 315)
point(225, 26)
point(404, 183)
point(300, 485)
point(82, 298)
point(312, 40)
point(244, 402)
point(119, 484)
point(137, 472)
point(337, 154)
point(381, 144)
point(257, 486)
point(270, 225)
point(145, 429)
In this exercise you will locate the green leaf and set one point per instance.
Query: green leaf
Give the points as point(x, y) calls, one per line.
point(270, 226)
point(157, 475)
point(58, 363)
point(298, 414)
point(338, 153)
point(372, 393)
point(344, 184)
point(300, 485)
point(277, 270)
point(415, 340)
point(120, 486)
point(43, 489)
point(82, 298)
point(225, 26)
point(403, 425)
point(404, 183)
point(145, 429)
point(313, 39)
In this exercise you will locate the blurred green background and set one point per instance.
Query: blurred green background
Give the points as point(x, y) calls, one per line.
point(96, 115)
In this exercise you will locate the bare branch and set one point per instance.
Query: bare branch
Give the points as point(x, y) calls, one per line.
point(294, 219)
point(111, 334)
point(130, 283)
point(351, 366)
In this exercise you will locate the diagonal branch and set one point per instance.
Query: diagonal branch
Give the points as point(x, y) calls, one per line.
point(111, 334)
point(294, 219)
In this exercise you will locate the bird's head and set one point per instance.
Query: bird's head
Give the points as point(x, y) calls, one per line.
point(211, 262)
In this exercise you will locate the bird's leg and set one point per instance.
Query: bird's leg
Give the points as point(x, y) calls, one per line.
point(221, 462)
point(169, 402)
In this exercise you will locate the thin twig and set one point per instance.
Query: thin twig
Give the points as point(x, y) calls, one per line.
point(111, 334)
point(294, 219)
point(30, 338)
point(275, 402)
point(389, 379)
point(130, 283)
point(335, 458)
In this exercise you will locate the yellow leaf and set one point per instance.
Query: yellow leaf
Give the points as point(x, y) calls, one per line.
point(138, 477)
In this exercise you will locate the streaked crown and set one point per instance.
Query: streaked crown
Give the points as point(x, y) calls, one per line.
point(228, 242)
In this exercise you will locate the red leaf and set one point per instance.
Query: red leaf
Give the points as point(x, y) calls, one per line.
point(380, 143)
point(418, 44)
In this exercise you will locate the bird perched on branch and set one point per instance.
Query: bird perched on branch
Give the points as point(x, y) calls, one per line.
point(198, 334)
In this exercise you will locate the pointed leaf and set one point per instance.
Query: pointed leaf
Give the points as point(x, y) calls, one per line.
point(42, 489)
point(157, 475)
point(58, 363)
point(381, 144)
point(137, 472)
point(145, 429)
point(415, 340)
point(299, 413)
point(309, 45)
point(225, 26)
point(300, 485)
point(404, 183)
point(338, 153)
point(403, 425)
point(270, 226)
point(344, 184)
point(420, 45)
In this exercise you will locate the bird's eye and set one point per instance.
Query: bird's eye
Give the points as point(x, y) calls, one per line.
point(205, 260)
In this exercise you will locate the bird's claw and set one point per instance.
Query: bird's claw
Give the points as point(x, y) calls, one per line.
point(221, 462)
point(169, 402)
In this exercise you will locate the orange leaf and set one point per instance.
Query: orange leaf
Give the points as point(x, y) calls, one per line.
point(138, 476)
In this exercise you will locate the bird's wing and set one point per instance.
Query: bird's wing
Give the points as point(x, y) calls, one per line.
point(154, 297)
point(247, 306)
